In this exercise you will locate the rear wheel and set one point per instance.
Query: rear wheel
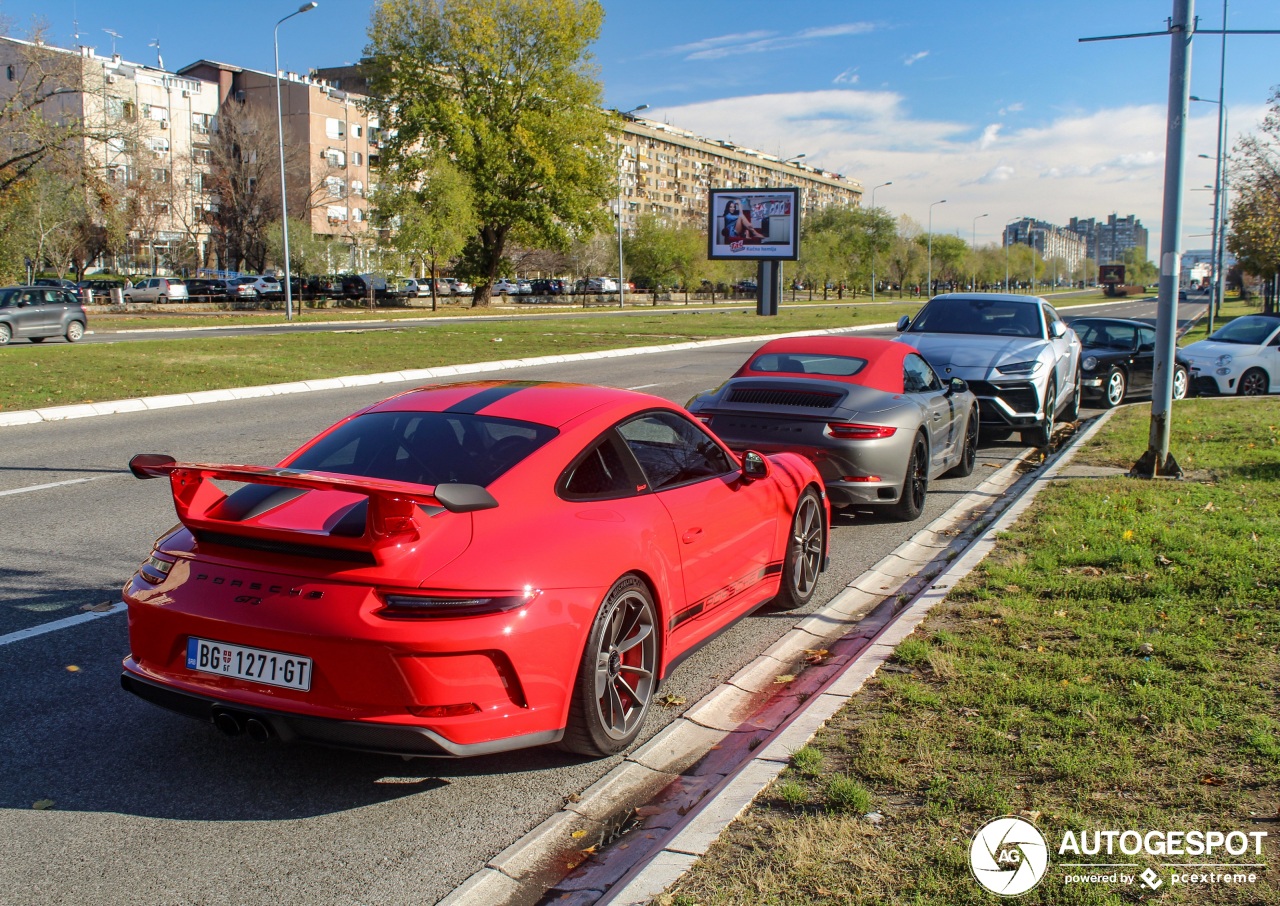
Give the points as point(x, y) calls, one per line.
point(804, 554)
point(1072, 412)
point(75, 330)
point(1253, 383)
point(969, 452)
point(1181, 383)
point(915, 486)
point(1042, 434)
point(1114, 390)
point(162, 299)
point(618, 674)
point(6, 334)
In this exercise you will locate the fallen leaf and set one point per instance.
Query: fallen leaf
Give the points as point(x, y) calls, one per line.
point(646, 811)
point(1091, 571)
point(1086, 679)
point(1059, 613)
point(1209, 507)
point(1012, 589)
point(782, 678)
point(995, 621)
point(815, 655)
point(1211, 781)
point(578, 834)
point(590, 850)
point(72, 668)
point(42, 804)
point(574, 797)
point(671, 700)
point(1163, 560)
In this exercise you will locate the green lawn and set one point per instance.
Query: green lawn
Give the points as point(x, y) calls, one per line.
point(1112, 665)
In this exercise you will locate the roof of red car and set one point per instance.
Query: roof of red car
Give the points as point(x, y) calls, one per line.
point(542, 402)
point(883, 370)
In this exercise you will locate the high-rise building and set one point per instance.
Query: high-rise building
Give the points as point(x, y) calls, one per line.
point(1108, 241)
point(1050, 240)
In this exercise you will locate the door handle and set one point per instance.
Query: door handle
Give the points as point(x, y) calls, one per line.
point(937, 416)
point(691, 536)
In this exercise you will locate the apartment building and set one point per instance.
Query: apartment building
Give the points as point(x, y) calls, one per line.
point(159, 125)
point(1050, 240)
point(666, 171)
point(1108, 240)
point(330, 127)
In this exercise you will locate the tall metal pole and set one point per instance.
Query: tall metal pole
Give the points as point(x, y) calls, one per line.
point(284, 190)
point(928, 290)
point(973, 281)
point(1219, 199)
point(873, 247)
point(1157, 460)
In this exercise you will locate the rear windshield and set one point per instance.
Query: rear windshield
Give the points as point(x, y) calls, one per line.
point(425, 447)
point(808, 363)
point(1250, 331)
point(996, 317)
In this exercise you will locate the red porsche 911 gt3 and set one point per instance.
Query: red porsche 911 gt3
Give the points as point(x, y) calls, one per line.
point(465, 569)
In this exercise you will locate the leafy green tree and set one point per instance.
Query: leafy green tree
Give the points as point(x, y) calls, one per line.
point(431, 219)
point(308, 253)
point(1254, 236)
point(506, 90)
point(1138, 269)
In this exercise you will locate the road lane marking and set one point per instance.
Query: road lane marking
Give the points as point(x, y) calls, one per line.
point(53, 484)
point(32, 632)
point(644, 386)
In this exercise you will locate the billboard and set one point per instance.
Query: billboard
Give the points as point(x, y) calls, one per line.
point(753, 224)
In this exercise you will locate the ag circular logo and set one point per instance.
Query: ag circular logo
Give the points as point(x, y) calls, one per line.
point(1008, 856)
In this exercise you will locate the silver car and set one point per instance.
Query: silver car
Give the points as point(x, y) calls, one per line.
point(1016, 353)
point(157, 289)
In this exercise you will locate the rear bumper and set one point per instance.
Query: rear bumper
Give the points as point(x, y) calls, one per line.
point(391, 739)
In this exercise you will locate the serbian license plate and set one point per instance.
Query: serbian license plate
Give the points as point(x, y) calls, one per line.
point(254, 664)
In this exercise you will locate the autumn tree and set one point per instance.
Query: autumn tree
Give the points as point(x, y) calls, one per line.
point(1254, 236)
point(506, 90)
point(244, 179)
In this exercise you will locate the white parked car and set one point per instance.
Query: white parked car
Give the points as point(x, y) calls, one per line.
point(1016, 353)
point(157, 289)
point(456, 286)
point(1242, 358)
point(602, 285)
point(505, 287)
point(414, 287)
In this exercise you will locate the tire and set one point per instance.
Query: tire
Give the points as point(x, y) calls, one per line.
point(618, 674)
point(75, 330)
point(1072, 412)
point(161, 300)
point(1114, 389)
point(1253, 382)
point(804, 553)
point(915, 486)
point(969, 452)
point(6, 334)
point(1181, 383)
point(1042, 434)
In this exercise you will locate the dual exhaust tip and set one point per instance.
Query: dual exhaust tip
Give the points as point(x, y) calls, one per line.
point(230, 723)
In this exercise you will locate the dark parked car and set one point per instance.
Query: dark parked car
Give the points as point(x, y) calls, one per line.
point(549, 288)
point(359, 286)
point(1118, 359)
point(208, 288)
point(40, 312)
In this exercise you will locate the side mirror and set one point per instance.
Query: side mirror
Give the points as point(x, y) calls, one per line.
point(958, 385)
point(1058, 330)
point(903, 323)
point(754, 466)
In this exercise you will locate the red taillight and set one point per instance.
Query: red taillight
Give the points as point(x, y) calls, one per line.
point(420, 605)
point(860, 478)
point(850, 431)
point(458, 710)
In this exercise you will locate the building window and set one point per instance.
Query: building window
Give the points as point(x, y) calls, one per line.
point(160, 207)
point(337, 213)
point(357, 214)
point(160, 175)
point(336, 185)
point(202, 156)
point(334, 128)
point(158, 145)
point(356, 130)
point(356, 158)
point(357, 187)
point(335, 157)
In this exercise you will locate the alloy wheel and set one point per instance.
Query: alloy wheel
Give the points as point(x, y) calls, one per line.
point(626, 663)
point(806, 549)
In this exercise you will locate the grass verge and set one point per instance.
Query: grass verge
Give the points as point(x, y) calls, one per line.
point(1112, 665)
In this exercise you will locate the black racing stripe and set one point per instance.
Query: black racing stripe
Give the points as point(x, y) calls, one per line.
point(485, 398)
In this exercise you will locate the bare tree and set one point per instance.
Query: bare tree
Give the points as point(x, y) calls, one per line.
point(244, 184)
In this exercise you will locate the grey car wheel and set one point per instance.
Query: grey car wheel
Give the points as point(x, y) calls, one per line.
point(804, 554)
point(6, 334)
point(1253, 383)
point(969, 452)
point(75, 330)
point(1042, 434)
point(1115, 389)
point(1181, 383)
point(915, 487)
point(618, 674)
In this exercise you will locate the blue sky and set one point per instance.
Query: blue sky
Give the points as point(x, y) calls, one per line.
point(992, 105)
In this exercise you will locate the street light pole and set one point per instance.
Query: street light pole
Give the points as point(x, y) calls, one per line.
point(973, 282)
point(873, 247)
point(1216, 251)
point(928, 290)
point(622, 298)
point(284, 191)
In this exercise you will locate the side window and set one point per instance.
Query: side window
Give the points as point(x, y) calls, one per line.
point(917, 376)
point(1049, 317)
point(672, 450)
point(600, 474)
point(1146, 339)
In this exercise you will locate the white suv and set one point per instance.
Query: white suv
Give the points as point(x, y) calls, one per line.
point(157, 289)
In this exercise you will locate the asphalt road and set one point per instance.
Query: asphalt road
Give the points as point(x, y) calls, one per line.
point(153, 808)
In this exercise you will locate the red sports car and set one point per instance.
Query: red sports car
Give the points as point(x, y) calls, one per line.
point(465, 569)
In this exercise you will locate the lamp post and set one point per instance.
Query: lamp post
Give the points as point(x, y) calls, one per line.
point(973, 283)
point(621, 290)
point(284, 191)
point(928, 290)
point(1219, 207)
point(873, 247)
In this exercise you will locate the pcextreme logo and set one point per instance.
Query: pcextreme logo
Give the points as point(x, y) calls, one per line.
point(1008, 856)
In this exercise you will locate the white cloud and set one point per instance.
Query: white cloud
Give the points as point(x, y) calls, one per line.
point(718, 48)
point(848, 77)
point(915, 57)
point(1011, 108)
point(836, 31)
point(1077, 164)
point(711, 43)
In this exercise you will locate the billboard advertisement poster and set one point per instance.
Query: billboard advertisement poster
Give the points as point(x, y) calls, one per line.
point(754, 224)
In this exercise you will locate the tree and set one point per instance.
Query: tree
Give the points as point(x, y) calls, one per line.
point(505, 89)
point(432, 219)
point(308, 253)
point(1254, 237)
point(244, 179)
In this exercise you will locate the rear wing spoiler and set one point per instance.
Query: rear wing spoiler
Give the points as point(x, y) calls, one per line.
point(393, 506)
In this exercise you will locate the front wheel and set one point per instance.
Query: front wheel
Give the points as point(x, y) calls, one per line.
point(969, 452)
point(1181, 383)
point(804, 554)
point(6, 334)
point(75, 330)
point(1253, 383)
point(618, 674)
point(1115, 389)
point(1042, 434)
point(915, 486)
